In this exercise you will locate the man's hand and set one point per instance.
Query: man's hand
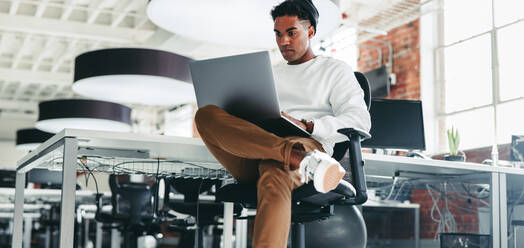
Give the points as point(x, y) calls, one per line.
point(299, 123)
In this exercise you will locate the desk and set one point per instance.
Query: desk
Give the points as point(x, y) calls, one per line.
point(114, 152)
point(110, 152)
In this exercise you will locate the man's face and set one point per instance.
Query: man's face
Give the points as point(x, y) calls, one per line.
point(292, 36)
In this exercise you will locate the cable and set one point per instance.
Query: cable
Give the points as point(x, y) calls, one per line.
point(435, 206)
point(400, 189)
point(91, 173)
point(156, 197)
point(446, 221)
point(510, 216)
point(395, 179)
point(116, 166)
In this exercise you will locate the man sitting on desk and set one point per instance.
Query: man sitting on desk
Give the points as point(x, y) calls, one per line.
point(321, 91)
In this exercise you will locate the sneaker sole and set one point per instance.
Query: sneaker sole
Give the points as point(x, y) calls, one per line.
point(332, 177)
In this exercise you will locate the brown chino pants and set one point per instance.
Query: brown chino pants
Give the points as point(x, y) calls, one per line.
point(253, 155)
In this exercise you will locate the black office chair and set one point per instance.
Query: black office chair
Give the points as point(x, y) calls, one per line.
point(132, 210)
point(208, 211)
point(309, 205)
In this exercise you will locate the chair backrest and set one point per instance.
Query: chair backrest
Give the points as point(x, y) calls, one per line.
point(191, 187)
point(340, 148)
point(364, 84)
point(132, 200)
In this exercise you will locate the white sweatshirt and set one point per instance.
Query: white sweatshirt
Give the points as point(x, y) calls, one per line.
point(325, 91)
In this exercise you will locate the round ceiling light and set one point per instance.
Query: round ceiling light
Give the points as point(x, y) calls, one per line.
point(56, 115)
point(30, 138)
point(239, 23)
point(134, 75)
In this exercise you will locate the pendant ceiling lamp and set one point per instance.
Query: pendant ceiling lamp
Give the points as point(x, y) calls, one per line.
point(30, 138)
point(134, 75)
point(56, 115)
point(238, 23)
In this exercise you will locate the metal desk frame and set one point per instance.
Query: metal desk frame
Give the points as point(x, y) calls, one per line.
point(70, 139)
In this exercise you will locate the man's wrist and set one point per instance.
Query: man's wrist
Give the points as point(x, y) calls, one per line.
point(310, 125)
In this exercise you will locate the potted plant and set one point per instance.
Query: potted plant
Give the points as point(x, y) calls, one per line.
point(454, 142)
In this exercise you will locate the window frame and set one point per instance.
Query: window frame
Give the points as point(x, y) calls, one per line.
point(440, 74)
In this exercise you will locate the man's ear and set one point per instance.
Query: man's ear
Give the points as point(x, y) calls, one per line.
point(311, 31)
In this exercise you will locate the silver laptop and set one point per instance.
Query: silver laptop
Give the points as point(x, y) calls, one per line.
point(243, 85)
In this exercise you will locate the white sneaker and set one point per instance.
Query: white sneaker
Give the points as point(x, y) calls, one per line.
point(325, 171)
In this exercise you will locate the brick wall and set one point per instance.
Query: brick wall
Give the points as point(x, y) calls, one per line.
point(406, 59)
point(478, 155)
point(463, 210)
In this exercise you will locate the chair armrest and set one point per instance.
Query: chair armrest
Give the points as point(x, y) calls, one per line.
point(356, 164)
point(353, 132)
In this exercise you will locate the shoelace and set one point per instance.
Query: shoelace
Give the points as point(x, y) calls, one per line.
point(306, 170)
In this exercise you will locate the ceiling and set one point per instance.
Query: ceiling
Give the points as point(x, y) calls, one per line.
point(39, 40)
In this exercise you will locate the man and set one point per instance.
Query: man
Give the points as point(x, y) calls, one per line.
point(321, 91)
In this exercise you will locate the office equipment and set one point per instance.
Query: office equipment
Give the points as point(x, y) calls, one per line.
point(46, 178)
point(382, 218)
point(396, 124)
point(205, 212)
point(379, 82)
point(7, 178)
point(132, 210)
point(517, 148)
point(243, 85)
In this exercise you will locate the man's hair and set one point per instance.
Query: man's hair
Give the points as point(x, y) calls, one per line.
point(303, 9)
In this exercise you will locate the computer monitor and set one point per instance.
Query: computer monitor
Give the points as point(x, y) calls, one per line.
point(517, 148)
point(396, 124)
point(46, 178)
point(7, 178)
point(379, 83)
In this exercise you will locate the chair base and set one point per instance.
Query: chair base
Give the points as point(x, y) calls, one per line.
point(298, 236)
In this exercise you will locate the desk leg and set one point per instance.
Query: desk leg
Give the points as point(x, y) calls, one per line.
point(99, 234)
point(67, 211)
point(28, 226)
point(495, 209)
point(48, 237)
point(86, 233)
point(417, 227)
point(115, 238)
point(503, 210)
point(228, 224)
point(16, 241)
point(241, 233)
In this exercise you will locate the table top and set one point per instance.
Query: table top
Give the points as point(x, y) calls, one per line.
point(129, 153)
point(192, 150)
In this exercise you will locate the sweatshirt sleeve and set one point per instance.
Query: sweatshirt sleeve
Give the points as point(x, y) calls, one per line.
point(349, 109)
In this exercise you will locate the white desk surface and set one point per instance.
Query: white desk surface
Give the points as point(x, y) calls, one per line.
point(390, 204)
point(385, 165)
point(193, 150)
point(181, 148)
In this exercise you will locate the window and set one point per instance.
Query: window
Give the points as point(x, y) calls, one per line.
point(468, 70)
point(472, 85)
point(511, 50)
point(341, 46)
